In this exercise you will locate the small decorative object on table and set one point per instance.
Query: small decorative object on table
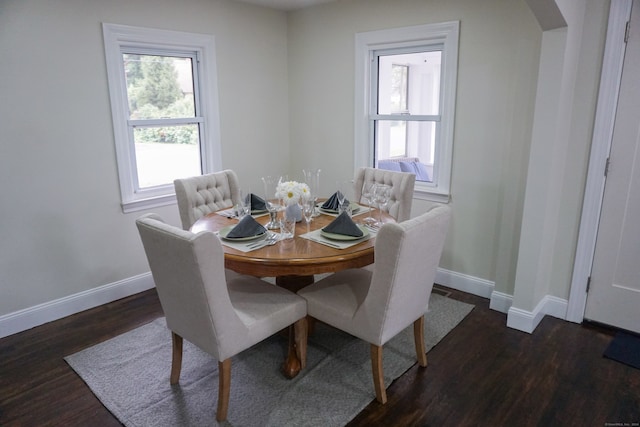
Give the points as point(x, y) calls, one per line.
point(292, 194)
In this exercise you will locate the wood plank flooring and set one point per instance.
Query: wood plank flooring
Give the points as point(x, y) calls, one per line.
point(481, 374)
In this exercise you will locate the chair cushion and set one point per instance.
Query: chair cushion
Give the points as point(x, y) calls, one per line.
point(336, 298)
point(263, 308)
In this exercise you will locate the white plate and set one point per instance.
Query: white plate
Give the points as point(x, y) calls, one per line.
point(224, 231)
point(333, 236)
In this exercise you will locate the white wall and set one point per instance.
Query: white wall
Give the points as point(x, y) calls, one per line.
point(498, 64)
point(518, 135)
point(62, 230)
point(286, 101)
point(563, 124)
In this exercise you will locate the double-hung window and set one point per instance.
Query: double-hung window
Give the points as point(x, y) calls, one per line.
point(405, 103)
point(164, 107)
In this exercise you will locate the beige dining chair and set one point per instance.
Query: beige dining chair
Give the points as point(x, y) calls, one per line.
point(221, 317)
point(200, 195)
point(376, 306)
point(401, 184)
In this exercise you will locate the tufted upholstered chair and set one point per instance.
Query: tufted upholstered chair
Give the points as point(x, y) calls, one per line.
point(376, 306)
point(222, 318)
point(401, 183)
point(200, 195)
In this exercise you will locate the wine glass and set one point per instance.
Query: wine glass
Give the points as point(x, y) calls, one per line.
point(381, 197)
point(341, 199)
point(368, 190)
point(343, 194)
point(271, 201)
point(312, 178)
point(308, 208)
point(245, 203)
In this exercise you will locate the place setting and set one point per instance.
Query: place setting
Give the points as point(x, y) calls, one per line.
point(251, 204)
point(247, 235)
point(341, 233)
point(332, 205)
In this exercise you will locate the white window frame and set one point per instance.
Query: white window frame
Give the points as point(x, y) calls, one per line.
point(119, 37)
point(445, 34)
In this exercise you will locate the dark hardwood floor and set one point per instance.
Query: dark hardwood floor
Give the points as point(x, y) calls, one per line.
point(481, 374)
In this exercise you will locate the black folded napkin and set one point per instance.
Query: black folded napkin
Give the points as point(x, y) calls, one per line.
point(257, 203)
point(332, 202)
point(344, 225)
point(247, 227)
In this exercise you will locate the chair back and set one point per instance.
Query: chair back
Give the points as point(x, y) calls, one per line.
point(188, 271)
point(401, 184)
point(407, 257)
point(200, 195)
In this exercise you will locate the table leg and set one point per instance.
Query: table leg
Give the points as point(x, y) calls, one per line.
point(291, 366)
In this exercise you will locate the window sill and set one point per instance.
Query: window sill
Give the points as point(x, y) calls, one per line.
point(149, 203)
point(424, 193)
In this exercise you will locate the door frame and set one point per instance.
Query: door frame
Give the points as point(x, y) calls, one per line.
point(612, 62)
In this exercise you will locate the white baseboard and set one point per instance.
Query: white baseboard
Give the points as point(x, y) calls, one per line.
point(527, 321)
point(462, 282)
point(500, 301)
point(43, 313)
point(53, 310)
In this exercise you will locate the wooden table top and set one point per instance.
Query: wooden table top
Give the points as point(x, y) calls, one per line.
point(292, 257)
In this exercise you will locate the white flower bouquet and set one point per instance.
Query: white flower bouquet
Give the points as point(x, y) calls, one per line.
point(292, 192)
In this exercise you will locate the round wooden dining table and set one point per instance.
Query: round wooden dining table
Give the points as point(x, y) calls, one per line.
point(293, 262)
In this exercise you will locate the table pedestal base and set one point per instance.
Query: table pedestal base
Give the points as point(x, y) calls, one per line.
point(294, 283)
point(291, 366)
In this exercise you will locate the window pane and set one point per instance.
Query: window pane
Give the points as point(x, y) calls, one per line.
point(398, 138)
point(159, 86)
point(166, 153)
point(399, 76)
point(409, 83)
point(412, 141)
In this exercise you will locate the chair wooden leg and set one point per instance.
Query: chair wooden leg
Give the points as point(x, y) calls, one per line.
point(311, 325)
point(176, 359)
point(224, 388)
point(418, 336)
point(300, 332)
point(378, 375)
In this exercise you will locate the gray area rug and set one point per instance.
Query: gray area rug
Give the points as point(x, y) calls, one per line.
point(130, 376)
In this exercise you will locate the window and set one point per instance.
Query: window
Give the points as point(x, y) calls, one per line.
point(405, 103)
point(164, 107)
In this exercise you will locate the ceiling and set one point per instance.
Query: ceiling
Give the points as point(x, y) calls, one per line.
point(286, 4)
point(546, 11)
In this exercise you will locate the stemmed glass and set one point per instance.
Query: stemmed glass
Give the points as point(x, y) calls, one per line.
point(341, 198)
point(308, 208)
point(244, 207)
point(271, 202)
point(344, 189)
point(312, 178)
point(381, 197)
point(368, 190)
